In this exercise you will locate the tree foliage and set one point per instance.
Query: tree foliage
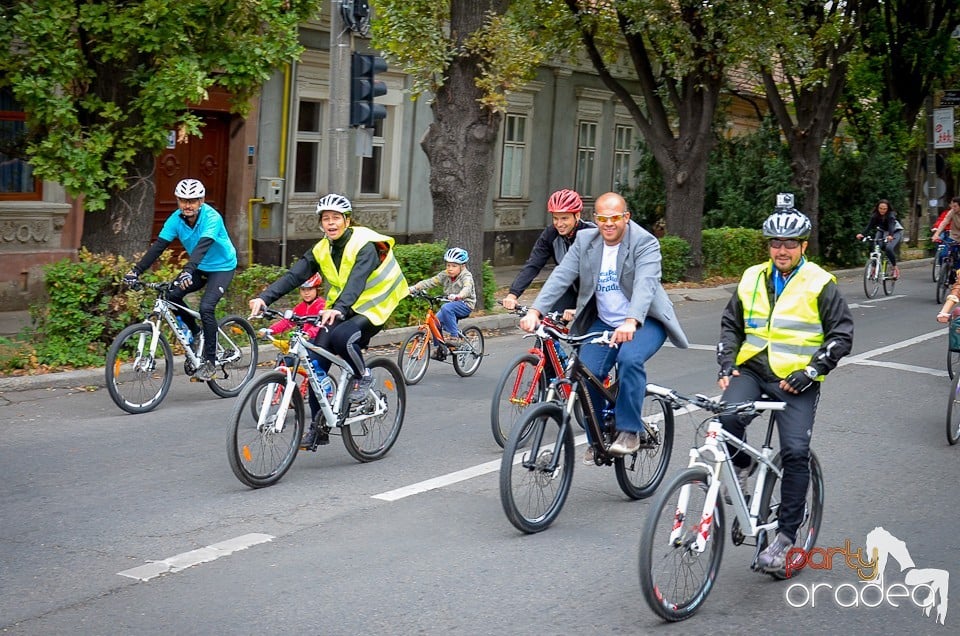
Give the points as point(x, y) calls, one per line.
point(102, 82)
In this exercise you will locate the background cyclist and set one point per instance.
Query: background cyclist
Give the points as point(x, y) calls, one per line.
point(785, 327)
point(884, 219)
point(212, 264)
point(565, 207)
point(459, 289)
point(366, 285)
point(949, 223)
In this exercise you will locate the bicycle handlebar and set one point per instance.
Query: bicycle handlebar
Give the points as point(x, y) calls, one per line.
point(717, 407)
point(288, 315)
point(552, 318)
point(594, 337)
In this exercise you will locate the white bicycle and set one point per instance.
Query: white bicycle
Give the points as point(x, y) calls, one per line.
point(682, 539)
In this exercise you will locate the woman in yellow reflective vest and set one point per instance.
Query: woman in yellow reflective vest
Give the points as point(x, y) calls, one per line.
point(785, 327)
point(366, 285)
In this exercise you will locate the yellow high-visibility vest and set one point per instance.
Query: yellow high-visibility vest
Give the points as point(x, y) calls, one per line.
point(385, 287)
point(792, 333)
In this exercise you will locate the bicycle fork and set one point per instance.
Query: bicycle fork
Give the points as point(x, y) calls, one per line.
point(283, 403)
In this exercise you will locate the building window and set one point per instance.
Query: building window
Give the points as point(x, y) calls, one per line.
point(371, 168)
point(512, 166)
point(309, 140)
point(622, 154)
point(16, 174)
point(586, 156)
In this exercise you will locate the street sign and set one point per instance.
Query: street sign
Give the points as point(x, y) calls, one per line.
point(943, 127)
point(951, 97)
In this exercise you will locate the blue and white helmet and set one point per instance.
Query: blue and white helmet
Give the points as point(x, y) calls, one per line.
point(189, 189)
point(456, 255)
point(787, 223)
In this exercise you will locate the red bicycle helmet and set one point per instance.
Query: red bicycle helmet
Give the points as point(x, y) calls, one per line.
point(564, 202)
point(312, 282)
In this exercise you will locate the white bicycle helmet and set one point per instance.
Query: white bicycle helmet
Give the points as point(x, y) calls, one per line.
point(189, 189)
point(787, 223)
point(456, 255)
point(335, 202)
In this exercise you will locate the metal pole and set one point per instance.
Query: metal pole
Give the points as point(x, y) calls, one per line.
point(339, 102)
point(931, 190)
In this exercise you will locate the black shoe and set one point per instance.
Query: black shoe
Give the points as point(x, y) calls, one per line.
point(309, 439)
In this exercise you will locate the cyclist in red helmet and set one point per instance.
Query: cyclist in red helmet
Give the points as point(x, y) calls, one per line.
point(565, 207)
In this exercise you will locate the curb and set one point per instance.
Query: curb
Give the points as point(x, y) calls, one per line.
point(87, 378)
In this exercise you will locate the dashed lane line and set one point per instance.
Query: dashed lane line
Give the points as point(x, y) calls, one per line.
point(185, 560)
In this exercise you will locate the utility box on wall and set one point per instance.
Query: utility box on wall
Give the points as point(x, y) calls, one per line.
point(271, 190)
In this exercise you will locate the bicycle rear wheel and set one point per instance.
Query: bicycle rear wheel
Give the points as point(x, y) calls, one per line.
point(871, 277)
point(812, 514)
point(953, 413)
point(136, 379)
point(467, 358)
point(531, 492)
point(386, 402)
point(237, 354)
point(414, 357)
point(886, 275)
point(513, 395)
point(258, 453)
point(675, 578)
point(639, 474)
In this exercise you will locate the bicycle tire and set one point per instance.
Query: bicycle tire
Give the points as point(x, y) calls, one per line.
point(953, 363)
point(467, 358)
point(943, 284)
point(871, 281)
point(510, 395)
point(531, 497)
point(953, 413)
point(260, 456)
point(414, 357)
point(813, 514)
point(639, 474)
point(133, 385)
point(937, 264)
point(236, 341)
point(674, 579)
point(373, 437)
point(889, 282)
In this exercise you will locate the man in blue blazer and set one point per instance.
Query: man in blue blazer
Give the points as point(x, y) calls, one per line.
point(618, 266)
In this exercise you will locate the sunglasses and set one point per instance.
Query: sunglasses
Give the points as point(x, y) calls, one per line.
point(603, 218)
point(790, 244)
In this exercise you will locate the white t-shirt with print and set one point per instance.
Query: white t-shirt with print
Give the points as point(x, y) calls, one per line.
point(612, 305)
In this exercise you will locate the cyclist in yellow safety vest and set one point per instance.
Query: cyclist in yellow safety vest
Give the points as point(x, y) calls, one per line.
point(366, 285)
point(785, 327)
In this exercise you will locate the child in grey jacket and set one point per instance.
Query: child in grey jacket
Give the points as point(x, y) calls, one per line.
point(459, 289)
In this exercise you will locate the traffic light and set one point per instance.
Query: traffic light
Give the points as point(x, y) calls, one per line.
point(364, 88)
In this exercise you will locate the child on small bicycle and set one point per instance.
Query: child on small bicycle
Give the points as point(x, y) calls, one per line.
point(459, 289)
point(311, 304)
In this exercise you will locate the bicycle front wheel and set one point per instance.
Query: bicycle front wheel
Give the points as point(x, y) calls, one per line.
point(467, 358)
point(414, 357)
point(237, 354)
point(953, 413)
point(259, 453)
point(386, 402)
point(943, 284)
point(533, 489)
point(639, 474)
point(871, 278)
point(137, 378)
point(519, 386)
point(953, 363)
point(676, 576)
point(812, 513)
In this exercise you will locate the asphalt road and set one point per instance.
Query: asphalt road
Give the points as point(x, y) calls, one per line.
point(90, 494)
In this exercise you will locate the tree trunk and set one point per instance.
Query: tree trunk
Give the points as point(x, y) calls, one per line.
point(124, 227)
point(459, 145)
point(805, 163)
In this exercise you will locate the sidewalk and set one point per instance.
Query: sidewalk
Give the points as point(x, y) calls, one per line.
point(11, 322)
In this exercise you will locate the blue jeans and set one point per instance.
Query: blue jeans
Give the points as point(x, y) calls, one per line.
point(450, 314)
point(630, 358)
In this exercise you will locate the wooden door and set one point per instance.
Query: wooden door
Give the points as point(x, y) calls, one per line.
point(203, 158)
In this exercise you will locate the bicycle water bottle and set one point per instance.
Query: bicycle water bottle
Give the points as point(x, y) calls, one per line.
point(326, 384)
point(186, 332)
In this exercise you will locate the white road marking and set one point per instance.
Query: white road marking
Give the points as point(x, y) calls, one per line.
point(868, 304)
point(493, 466)
point(185, 560)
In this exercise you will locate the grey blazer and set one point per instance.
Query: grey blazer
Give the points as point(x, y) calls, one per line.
point(638, 270)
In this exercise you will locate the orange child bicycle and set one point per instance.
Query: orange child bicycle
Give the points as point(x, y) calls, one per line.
point(466, 352)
